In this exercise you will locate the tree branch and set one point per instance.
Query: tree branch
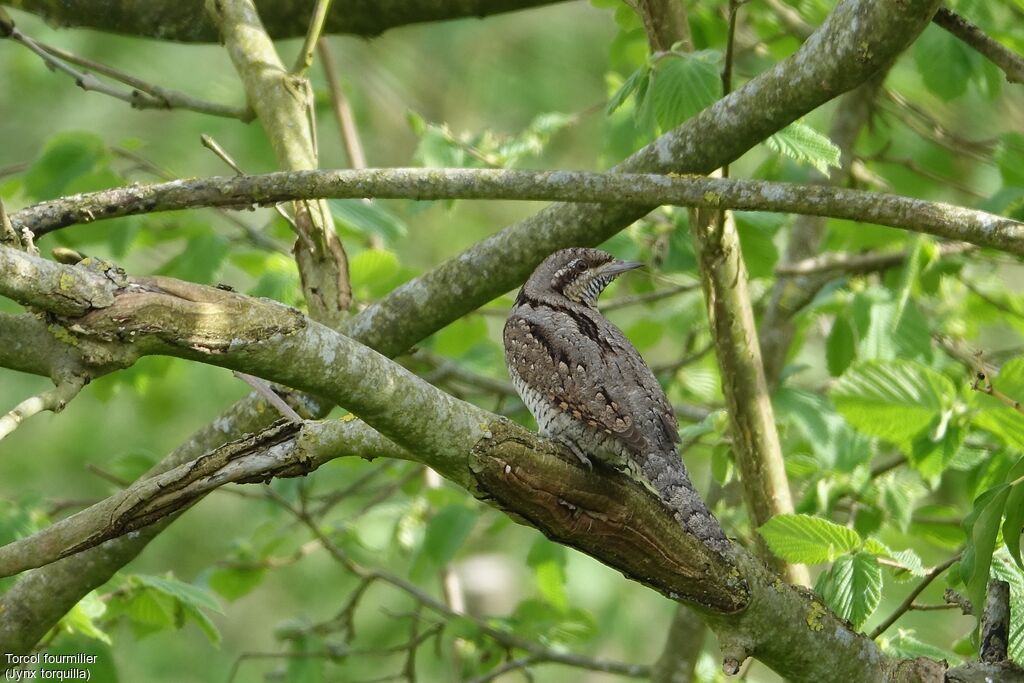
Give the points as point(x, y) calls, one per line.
point(283, 103)
point(1011, 63)
point(634, 189)
point(184, 20)
point(53, 400)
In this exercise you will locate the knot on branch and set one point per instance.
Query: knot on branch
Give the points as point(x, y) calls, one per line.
point(604, 514)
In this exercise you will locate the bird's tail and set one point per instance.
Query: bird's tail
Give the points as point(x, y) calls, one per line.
point(669, 479)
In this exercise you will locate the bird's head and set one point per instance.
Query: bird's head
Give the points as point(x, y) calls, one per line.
point(577, 274)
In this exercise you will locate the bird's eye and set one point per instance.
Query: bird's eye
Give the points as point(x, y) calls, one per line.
point(580, 265)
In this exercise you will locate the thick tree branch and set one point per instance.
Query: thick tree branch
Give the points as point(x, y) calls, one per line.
point(635, 189)
point(184, 21)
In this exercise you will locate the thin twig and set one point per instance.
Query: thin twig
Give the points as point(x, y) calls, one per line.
point(53, 400)
point(510, 665)
point(1008, 61)
point(166, 97)
point(209, 143)
point(142, 96)
point(862, 263)
point(342, 109)
point(265, 390)
point(648, 297)
point(316, 27)
point(918, 589)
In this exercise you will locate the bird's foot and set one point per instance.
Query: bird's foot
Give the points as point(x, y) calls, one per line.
point(578, 452)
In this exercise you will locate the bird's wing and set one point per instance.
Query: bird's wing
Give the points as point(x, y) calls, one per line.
point(578, 373)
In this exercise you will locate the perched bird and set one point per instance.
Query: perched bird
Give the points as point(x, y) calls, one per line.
point(589, 388)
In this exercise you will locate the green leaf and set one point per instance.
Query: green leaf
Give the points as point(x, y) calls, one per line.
point(995, 416)
point(66, 157)
point(945, 63)
point(1010, 157)
point(369, 218)
point(806, 539)
point(682, 85)
point(373, 272)
point(547, 560)
point(982, 527)
point(200, 260)
point(1014, 522)
point(446, 532)
point(637, 82)
point(841, 346)
point(892, 400)
point(82, 618)
point(457, 339)
point(905, 646)
point(852, 587)
point(232, 583)
point(185, 593)
point(803, 144)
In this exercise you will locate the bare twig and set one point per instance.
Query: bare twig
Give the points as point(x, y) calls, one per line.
point(942, 220)
point(342, 109)
point(53, 400)
point(1011, 63)
point(861, 263)
point(142, 96)
point(909, 600)
point(167, 97)
point(316, 27)
point(648, 297)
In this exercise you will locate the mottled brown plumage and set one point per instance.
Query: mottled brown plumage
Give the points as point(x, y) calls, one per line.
point(588, 386)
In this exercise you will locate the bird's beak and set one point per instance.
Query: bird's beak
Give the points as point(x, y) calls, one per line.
point(618, 267)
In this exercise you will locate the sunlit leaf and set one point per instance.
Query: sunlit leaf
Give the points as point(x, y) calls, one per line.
point(807, 539)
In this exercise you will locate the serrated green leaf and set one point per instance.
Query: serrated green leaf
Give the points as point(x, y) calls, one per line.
point(807, 539)
point(181, 591)
point(681, 85)
point(852, 587)
point(637, 82)
point(1013, 525)
point(892, 400)
point(905, 645)
point(982, 528)
point(803, 144)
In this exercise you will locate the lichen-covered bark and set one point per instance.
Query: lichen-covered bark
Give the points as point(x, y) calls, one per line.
point(283, 104)
point(636, 189)
point(184, 20)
